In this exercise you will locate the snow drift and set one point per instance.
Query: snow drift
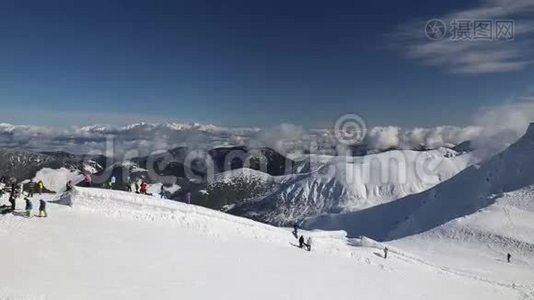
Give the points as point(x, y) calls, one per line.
point(55, 179)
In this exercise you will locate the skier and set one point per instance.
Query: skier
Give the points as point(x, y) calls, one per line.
point(144, 187)
point(301, 241)
point(386, 250)
point(12, 200)
point(508, 257)
point(2, 185)
point(29, 207)
point(31, 188)
point(112, 182)
point(136, 187)
point(13, 196)
point(296, 230)
point(21, 189)
point(42, 209)
point(188, 197)
point(162, 192)
point(40, 187)
point(69, 186)
point(87, 180)
point(129, 185)
point(309, 243)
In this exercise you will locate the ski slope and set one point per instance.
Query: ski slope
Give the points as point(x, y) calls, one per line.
point(118, 245)
point(483, 239)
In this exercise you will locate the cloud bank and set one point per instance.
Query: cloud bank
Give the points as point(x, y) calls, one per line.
point(145, 138)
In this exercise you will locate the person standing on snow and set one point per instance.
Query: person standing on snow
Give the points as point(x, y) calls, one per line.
point(112, 182)
point(129, 184)
point(309, 243)
point(13, 197)
point(29, 207)
point(136, 187)
point(188, 197)
point(386, 250)
point(508, 257)
point(301, 241)
point(87, 180)
point(68, 188)
point(144, 187)
point(162, 192)
point(40, 187)
point(296, 230)
point(31, 188)
point(2, 185)
point(42, 209)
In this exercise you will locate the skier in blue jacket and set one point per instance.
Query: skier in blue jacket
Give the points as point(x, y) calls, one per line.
point(29, 207)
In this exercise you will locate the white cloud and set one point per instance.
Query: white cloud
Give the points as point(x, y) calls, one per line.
point(278, 137)
point(420, 138)
point(474, 56)
point(493, 128)
point(144, 138)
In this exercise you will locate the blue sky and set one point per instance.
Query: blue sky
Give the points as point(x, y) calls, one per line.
point(249, 63)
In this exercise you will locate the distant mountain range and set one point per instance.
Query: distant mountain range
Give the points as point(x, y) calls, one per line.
point(145, 138)
point(258, 183)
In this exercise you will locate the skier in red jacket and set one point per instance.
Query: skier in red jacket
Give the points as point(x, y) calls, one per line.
point(143, 187)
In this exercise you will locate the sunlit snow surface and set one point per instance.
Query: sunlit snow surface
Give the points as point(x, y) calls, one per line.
point(118, 245)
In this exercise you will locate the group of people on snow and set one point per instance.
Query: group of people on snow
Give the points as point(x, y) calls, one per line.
point(16, 191)
point(27, 191)
point(42, 208)
point(32, 185)
point(302, 242)
point(139, 186)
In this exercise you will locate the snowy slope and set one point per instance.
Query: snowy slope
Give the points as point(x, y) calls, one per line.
point(344, 184)
point(118, 245)
point(482, 240)
point(475, 188)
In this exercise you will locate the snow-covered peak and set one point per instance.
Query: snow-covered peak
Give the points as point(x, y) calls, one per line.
point(189, 126)
point(475, 188)
point(343, 184)
point(7, 127)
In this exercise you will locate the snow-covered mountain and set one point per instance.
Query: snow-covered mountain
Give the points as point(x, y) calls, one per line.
point(21, 165)
point(145, 138)
point(470, 192)
point(329, 185)
point(119, 238)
